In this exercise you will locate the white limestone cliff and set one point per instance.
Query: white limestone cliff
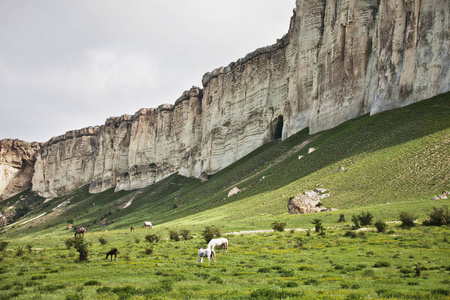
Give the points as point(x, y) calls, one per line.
point(339, 60)
point(16, 166)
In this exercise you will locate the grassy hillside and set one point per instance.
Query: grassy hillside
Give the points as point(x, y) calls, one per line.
point(394, 160)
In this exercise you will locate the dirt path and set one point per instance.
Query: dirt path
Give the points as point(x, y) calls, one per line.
point(260, 231)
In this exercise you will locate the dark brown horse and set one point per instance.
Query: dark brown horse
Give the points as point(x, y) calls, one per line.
point(80, 231)
point(112, 252)
point(132, 229)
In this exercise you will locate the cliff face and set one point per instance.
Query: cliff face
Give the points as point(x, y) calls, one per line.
point(17, 160)
point(339, 60)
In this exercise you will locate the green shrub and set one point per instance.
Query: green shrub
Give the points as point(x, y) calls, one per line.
point(82, 248)
point(355, 221)
point(69, 242)
point(267, 293)
point(351, 234)
point(311, 281)
point(365, 218)
point(438, 217)
point(186, 234)
point(380, 226)
point(173, 234)
point(278, 226)
point(92, 282)
point(381, 264)
point(20, 251)
point(318, 225)
point(152, 238)
point(75, 296)
point(149, 251)
point(3, 245)
point(210, 232)
point(440, 291)
point(407, 219)
point(29, 247)
point(102, 241)
point(341, 218)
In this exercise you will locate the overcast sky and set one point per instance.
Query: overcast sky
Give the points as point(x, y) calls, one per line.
point(70, 64)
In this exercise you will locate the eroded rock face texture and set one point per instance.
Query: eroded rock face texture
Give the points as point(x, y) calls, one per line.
point(339, 60)
point(17, 160)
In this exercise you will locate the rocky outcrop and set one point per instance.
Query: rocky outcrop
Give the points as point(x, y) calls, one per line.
point(17, 160)
point(339, 60)
point(308, 202)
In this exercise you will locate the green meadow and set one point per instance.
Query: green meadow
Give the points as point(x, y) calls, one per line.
point(394, 163)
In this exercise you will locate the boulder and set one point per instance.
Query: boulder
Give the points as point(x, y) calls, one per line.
point(233, 191)
point(308, 202)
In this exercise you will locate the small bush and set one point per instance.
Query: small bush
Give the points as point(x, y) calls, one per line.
point(82, 248)
point(186, 234)
point(365, 218)
point(216, 279)
point(311, 281)
point(74, 297)
point(69, 242)
point(149, 251)
point(102, 241)
point(210, 232)
point(267, 293)
point(407, 219)
point(381, 264)
point(341, 218)
point(173, 234)
point(440, 291)
point(278, 226)
point(355, 221)
point(3, 245)
point(29, 247)
point(438, 217)
point(351, 234)
point(92, 282)
point(380, 226)
point(318, 225)
point(137, 240)
point(152, 238)
point(20, 251)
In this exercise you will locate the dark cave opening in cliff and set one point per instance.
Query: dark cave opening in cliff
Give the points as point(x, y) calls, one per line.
point(278, 128)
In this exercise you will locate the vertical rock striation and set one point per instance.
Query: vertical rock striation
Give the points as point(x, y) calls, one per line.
point(340, 59)
point(17, 160)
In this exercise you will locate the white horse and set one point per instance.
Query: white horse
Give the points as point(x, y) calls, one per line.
point(206, 253)
point(148, 224)
point(223, 242)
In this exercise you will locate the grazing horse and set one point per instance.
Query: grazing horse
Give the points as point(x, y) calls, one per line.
point(223, 242)
point(112, 252)
point(206, 253)
point(148, 224)
point(132, 229)
point(80, 231)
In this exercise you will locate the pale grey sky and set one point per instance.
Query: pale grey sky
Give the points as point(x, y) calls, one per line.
point(70, 64)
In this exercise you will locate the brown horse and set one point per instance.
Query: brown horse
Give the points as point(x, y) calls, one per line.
point(80, 231)
point(112, 252)
point(132, 229)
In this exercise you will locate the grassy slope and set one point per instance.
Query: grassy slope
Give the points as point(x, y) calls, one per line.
point(397, 159)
